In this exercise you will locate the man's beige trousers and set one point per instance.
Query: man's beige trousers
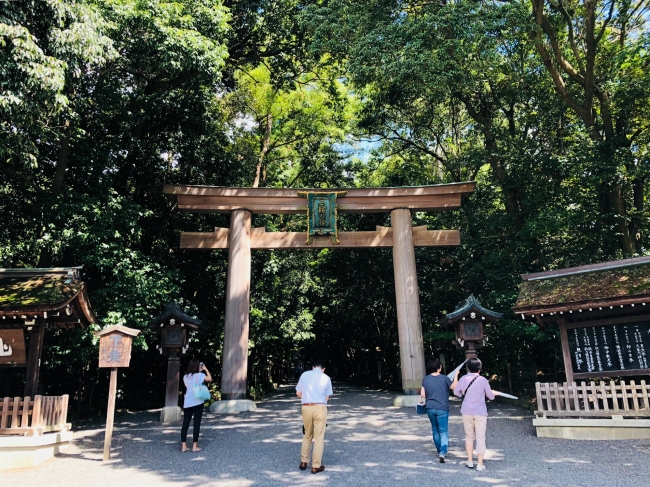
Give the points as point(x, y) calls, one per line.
point(314, 418)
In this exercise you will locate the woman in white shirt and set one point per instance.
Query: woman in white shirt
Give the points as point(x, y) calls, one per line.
point(196, 374)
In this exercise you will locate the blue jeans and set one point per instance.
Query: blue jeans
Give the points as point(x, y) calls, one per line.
point(440, 429)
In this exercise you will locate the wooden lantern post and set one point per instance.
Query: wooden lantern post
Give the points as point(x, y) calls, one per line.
point(174, 325)
point(469, 319)
point(114, 351)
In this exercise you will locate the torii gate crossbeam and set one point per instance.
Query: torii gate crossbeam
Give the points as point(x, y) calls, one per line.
point(242, 203)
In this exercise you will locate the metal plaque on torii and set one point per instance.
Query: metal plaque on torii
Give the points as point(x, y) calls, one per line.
point(322, 214)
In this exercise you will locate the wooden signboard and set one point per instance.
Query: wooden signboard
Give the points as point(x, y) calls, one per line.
point(115, 350)
point(12, 348)
point(610, 350)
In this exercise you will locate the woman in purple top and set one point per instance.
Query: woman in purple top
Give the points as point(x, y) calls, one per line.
point(475, 389)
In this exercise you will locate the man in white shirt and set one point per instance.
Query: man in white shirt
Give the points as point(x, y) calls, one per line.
point(314, 389)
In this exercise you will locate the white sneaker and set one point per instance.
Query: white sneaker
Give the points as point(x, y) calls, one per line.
point(480, 468)
point(469, 464)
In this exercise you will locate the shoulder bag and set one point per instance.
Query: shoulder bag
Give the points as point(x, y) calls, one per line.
point(201, 392)
point(467, 388)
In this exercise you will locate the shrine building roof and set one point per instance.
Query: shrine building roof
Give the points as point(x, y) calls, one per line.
point(175, 312)
point(608, 284)
point(467, 307)
point(56, 295)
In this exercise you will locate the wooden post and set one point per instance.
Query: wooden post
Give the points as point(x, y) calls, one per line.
point(34, 359)
point(173, 375)
point(407, 299)
point(509, 380)
point(470, 351)
point(235, 346)
point(110, 414)
point(566, 352)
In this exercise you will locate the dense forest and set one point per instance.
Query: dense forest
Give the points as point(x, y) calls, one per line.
point(545, 103)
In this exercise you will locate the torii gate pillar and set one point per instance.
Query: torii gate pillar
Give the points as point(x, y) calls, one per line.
point(235, 340)
point(409, 322)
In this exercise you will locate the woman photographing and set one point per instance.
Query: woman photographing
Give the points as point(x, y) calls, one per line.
point(196, 375)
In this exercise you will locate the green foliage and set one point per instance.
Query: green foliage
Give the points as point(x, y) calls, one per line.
point(104, 101)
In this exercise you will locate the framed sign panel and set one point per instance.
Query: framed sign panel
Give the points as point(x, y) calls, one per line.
point(12, 348)
point(115, 350)
point(610, 350)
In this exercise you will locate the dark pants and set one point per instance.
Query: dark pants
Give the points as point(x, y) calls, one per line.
point(197, 411)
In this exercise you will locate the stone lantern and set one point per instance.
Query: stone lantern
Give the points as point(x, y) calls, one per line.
point(469, 320)
point(175, 327)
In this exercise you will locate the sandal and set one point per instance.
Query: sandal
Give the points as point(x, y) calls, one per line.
point(197, 449)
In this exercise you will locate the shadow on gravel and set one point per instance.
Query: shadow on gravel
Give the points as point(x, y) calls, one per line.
point(368, 443)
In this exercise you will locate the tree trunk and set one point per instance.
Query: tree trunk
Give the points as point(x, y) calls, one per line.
point(45, 256)
point(61, 164)
point(266, 144)
point(620, 223)
point(637, 217)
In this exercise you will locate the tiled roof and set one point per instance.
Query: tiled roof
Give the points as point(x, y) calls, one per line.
point(465, 307)
point(175, 311)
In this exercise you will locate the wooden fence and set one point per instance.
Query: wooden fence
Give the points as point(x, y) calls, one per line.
point(24, 416)
point(592, 400)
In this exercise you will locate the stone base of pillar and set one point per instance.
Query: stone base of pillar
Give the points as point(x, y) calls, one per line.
point(406, 401)
point(171, 414)
point(232, 406)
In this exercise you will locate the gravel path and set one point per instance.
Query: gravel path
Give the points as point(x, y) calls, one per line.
point(368, 443)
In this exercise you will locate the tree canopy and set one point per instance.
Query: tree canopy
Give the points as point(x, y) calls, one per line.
point(545, 103)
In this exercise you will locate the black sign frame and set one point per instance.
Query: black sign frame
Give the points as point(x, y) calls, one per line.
point(601, 345)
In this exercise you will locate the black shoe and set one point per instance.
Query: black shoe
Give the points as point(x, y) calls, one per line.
point(302, 466)
point(442, 458)
point(319, 469)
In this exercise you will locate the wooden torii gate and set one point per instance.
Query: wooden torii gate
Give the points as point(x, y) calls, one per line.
point(240, 238)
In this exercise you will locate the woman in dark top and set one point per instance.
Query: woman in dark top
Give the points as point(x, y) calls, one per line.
point(435, 391)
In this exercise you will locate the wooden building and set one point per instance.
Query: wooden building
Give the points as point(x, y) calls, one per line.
point(602, 312)
point(33, 301)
